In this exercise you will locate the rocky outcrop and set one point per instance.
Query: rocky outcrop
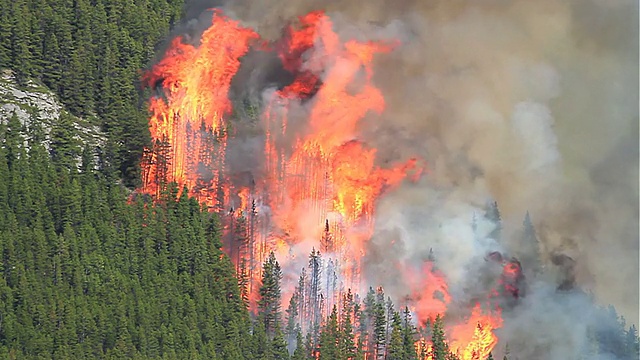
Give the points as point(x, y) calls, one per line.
point(35, 102)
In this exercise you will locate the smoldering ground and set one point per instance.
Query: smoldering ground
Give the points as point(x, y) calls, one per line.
point(533, 104)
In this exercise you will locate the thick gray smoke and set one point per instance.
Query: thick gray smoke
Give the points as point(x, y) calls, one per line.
point(533, 104)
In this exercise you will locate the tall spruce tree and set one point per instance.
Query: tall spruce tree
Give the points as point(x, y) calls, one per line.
point(440, 349)
point(347, 345)
point(329, 338)
point(270, 296)
point(396, 350)
point(492, 213)
point(530, 246)
point(379, 325)
point(408, 333)
point(292, 321)
point(314, 295)
point(299, 353)
point(632, 343)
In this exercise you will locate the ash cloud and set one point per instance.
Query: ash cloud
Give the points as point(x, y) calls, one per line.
point(531, 104)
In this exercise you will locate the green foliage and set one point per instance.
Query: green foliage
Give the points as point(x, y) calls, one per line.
point(86, 275)
point(396, 348)
point(440, 348)
point(299, 353)
point(632, 343)
point(379, 324)
point(270, 296)
point(90, 53)
point(529, 246)
point(329, 337)
point(347, 337)
point(408, 335)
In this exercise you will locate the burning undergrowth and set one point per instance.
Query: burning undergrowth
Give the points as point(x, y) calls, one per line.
point(378, 142)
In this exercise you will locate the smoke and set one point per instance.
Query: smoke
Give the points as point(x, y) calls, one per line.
point(531, 104)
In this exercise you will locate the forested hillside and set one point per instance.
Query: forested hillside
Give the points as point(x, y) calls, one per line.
point(86, 275)
point(90, 54)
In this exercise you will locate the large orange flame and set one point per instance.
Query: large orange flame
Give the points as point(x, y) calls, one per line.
point(474, 338)
point(329, 171)
point(188, 124)
point(471, 338)
point(320, 183)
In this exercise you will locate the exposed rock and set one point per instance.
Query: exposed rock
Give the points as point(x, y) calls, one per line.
point(37, 101)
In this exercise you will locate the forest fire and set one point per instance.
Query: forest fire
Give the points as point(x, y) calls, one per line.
point(329, 171)
point(321, 183)
point(188, 127)
point(471, 339)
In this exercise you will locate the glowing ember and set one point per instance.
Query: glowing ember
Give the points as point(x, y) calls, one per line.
point(512, 278)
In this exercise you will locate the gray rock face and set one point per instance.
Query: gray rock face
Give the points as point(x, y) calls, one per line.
point(34, 102)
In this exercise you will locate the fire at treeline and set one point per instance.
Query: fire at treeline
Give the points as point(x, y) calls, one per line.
point(298, 228)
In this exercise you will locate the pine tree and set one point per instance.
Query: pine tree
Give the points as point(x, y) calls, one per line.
point(243, 282)
point(530, 255)
point(270, 296)
point(440, 349)
point(347, 344)
point(632, 343)
point(299, 353)
point(302, 298)
point(408, 332)
point(279, 346)
point(493, 215)
point(314, 295)
point(292, 321)
point(65, 147)
point(396, 349)
point(22, 60)
point(507, 351)
point(367, 317)
point(327, 240)
point(240, 237)
point(379, 325)
point(361, 326)
point(5, 33)
point(261, 348)
point(52, 73)
point(329, 338)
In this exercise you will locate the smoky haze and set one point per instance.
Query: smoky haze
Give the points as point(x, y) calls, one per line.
point(533, 104)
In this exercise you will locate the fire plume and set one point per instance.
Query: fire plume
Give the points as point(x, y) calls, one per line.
point(188, 123)
point(319, 182)
point(329, 169)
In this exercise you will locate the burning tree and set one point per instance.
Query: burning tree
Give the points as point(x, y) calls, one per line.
point(323, 175)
